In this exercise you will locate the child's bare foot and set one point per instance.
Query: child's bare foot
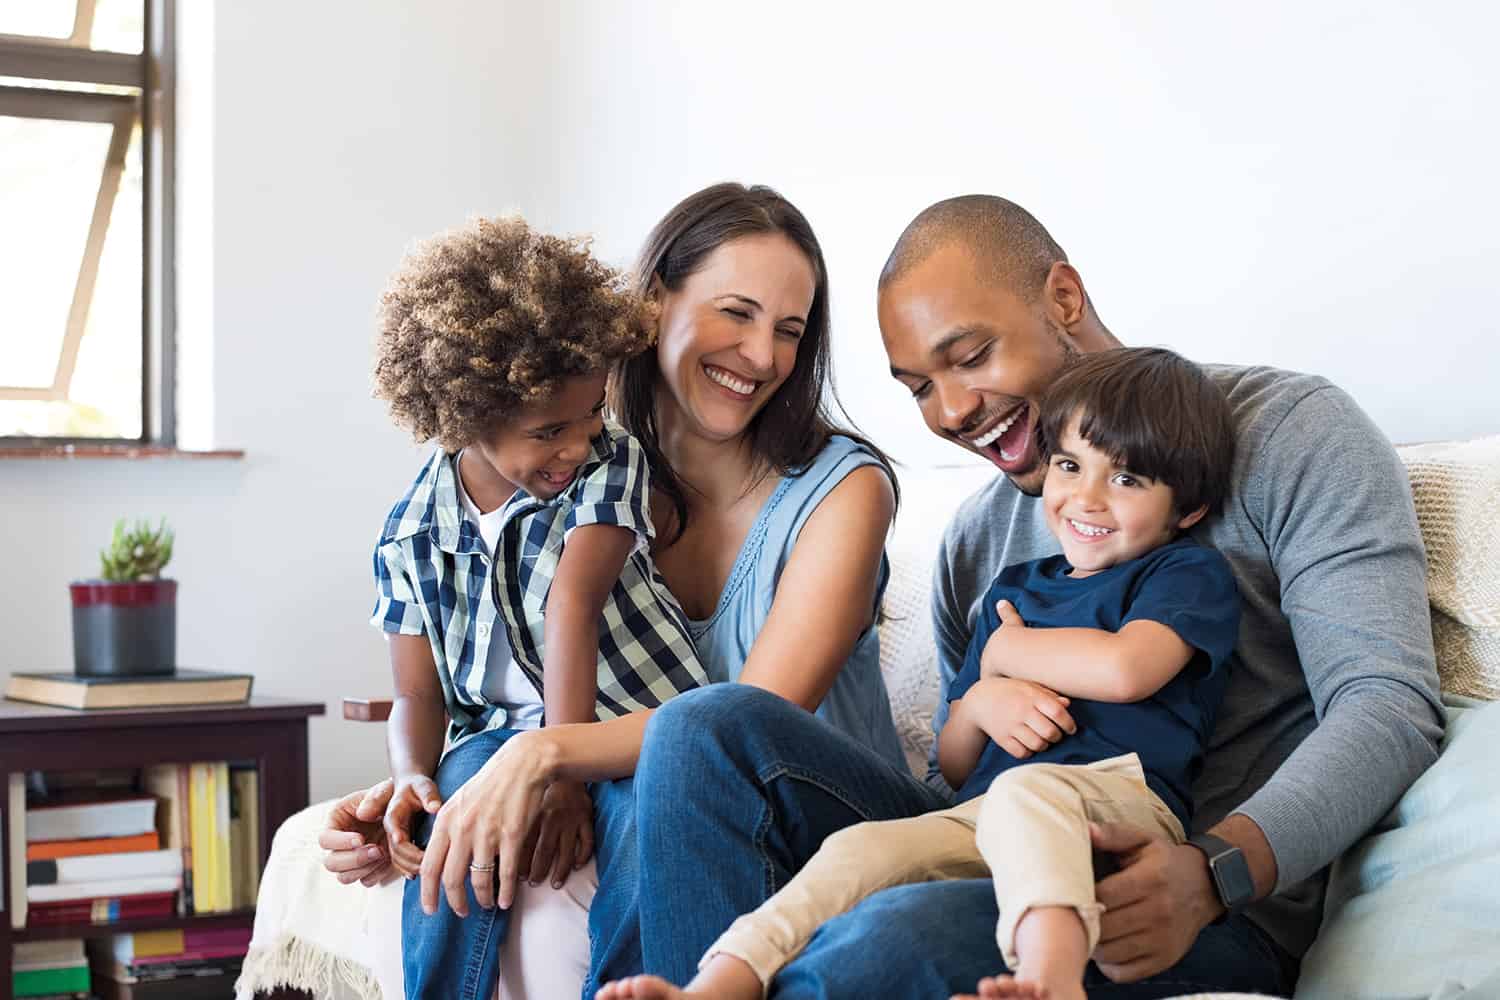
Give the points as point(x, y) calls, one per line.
point(723, 977)
point(642, 988)
point(1011, 988)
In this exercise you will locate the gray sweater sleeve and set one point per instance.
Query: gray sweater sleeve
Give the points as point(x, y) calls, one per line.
point(1336, 511)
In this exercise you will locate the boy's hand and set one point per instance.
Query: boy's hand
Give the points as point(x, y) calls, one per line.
point(992, 660)
point(1020, 716)
point(563, 834)
point(412, 795)
point(353, 838)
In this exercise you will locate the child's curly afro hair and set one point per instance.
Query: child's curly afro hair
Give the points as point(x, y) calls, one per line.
point(480, 321)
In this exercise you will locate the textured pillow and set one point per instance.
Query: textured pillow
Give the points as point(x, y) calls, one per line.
point(1457, 492)
point(1413, 909)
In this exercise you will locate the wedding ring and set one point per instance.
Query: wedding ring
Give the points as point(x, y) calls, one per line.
point(482, 868)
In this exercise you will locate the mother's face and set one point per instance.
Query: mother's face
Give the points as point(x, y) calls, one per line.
point(728, 336)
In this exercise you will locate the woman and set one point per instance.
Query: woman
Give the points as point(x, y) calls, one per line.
point(771, 525)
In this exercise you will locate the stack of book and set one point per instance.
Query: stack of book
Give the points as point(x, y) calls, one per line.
point(177, 839)
point(49, 969)
point(98, 862)
point(164, 965)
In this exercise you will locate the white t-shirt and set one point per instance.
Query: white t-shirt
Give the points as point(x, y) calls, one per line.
point(505, 683)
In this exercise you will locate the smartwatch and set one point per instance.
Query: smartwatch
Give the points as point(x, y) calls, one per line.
point(1230, 872)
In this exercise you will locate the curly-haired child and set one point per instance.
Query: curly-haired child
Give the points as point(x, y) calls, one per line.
point(515, 579)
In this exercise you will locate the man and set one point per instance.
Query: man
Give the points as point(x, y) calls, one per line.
point(1332, 708)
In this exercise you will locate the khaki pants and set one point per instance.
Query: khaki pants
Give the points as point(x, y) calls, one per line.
point(1029, 831)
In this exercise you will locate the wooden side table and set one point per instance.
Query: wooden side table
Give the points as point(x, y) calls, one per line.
point(272, 732)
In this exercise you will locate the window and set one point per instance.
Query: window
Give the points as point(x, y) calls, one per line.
point(85, 221)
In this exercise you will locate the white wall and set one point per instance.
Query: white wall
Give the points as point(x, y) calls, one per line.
point(1305, 185)
point(1301, 185)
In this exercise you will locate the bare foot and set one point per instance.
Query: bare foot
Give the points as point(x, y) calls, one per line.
point(641, 988)
point(1011, 988)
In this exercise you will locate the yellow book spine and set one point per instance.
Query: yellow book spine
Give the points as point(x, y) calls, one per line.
point(203, 890)
point(221, 836)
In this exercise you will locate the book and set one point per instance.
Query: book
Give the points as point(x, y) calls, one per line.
point(51, 850)
point(201, 938)
point(170, 784)
point(143, 944)
point(245, 834)
point(15, 810)
point(186, 687)
point(62, 892)
point(223, 864)
point(60, 953)
point(89, 820)
point(102, 911)
point(44, 982)
point(102, 867)
point(190, 987)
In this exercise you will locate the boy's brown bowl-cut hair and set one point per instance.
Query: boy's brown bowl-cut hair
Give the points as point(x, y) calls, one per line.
point(1153, 412)
point(482, 320)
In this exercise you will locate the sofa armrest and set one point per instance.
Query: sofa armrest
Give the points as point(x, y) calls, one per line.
point(367, 709)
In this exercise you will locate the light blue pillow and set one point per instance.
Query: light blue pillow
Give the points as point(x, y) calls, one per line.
point(1413, 909)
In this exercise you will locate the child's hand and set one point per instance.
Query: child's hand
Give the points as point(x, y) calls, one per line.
point(1020, 716)
point(563, 834)
point(353, 838)
point(412, 795)
point(992, 660)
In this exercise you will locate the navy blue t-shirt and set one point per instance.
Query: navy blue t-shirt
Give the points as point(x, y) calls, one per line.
point(1183, 585)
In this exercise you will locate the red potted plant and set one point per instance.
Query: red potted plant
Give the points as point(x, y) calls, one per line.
point(126, 623)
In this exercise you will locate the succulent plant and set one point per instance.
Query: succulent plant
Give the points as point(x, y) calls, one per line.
point(137, 553)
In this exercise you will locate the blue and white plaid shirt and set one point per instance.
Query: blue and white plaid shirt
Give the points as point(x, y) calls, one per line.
point(434, 577)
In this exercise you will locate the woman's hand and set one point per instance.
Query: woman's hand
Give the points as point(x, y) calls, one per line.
point(355, 837)
point(1022, 717)
point(412, 795)
point(486, 824)
point(563, 838)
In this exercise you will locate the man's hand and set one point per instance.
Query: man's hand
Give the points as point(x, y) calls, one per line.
point(1020, 716)
point(562, 838)
point(1155, 904)
point(412, 796)
point(992, 660)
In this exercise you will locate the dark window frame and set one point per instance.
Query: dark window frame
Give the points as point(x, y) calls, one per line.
point(154, 72)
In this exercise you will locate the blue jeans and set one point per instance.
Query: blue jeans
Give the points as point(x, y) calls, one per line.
point(735, 790)
point(447, 956)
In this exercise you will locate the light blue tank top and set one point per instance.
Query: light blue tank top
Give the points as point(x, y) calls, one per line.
point(857, 704)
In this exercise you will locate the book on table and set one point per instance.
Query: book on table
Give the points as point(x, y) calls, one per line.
point(185, 687)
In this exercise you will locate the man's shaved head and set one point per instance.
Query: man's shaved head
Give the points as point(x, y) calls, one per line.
point(1004, 240)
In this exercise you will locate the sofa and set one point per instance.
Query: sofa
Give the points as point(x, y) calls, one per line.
point(1411, 909)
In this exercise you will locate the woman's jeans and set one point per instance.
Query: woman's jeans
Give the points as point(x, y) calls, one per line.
point(446, 956)
point(736, 789)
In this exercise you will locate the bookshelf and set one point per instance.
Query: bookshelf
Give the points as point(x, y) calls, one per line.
point(270, 732)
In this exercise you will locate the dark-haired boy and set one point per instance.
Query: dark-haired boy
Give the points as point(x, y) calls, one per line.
point(1134, 624)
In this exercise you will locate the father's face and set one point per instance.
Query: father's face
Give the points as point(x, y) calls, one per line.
point(976, 358)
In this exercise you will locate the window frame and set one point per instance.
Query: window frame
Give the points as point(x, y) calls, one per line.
point(154, 73)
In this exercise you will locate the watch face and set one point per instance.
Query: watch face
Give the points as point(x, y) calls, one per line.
point(1232, 879)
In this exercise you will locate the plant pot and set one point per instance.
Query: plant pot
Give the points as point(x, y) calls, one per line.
point(124, 629)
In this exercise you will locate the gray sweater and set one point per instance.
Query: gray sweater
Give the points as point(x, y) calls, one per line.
point(1332, 708)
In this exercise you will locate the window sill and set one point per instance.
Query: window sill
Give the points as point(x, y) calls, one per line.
point(113, 450)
